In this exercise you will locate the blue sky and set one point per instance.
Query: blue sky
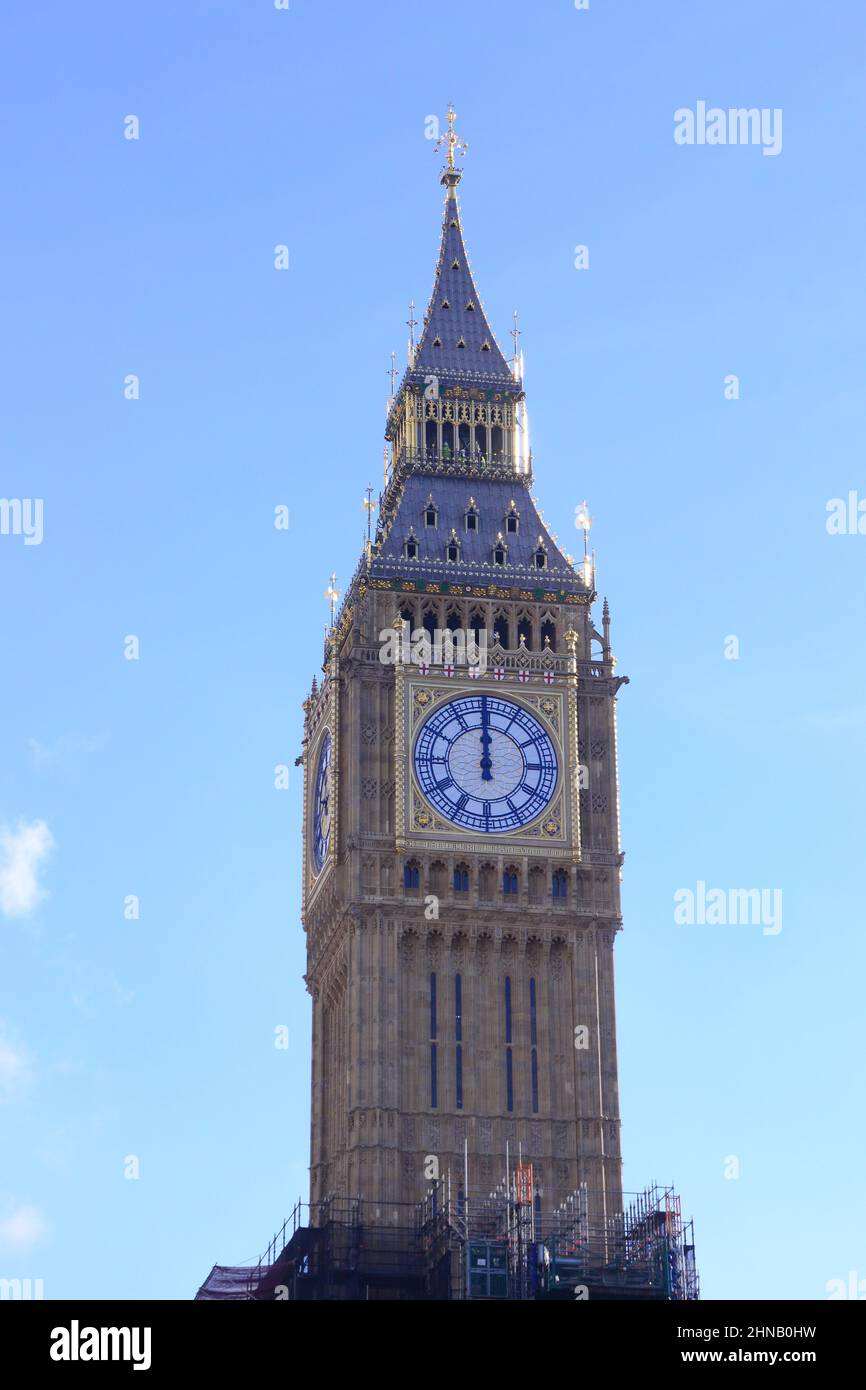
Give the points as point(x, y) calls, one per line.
point(155, 777)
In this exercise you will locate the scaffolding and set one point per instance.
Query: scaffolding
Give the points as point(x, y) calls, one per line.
point(499, 1245)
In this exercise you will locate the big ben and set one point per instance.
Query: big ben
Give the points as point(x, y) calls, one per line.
point(461, 843)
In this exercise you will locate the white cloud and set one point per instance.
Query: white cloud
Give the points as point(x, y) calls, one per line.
point(22, 1229)
point(21, 853)
point(49, 755)
point(14, 1069)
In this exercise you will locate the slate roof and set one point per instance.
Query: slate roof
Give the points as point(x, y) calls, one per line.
point(493, 501)
point(449, 319)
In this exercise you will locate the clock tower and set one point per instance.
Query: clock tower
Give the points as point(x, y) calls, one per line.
point(461, 856)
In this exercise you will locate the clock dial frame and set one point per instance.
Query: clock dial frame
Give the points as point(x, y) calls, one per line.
point(486, 764)
point(322, 808)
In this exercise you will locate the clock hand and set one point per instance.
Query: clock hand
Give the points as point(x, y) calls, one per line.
point(486, 760)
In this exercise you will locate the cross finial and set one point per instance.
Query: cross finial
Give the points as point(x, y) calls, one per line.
point(412, 324)
point(369, 506)
point(392, 372)
point(515, 364)
point(333, 594)
point(452, 140)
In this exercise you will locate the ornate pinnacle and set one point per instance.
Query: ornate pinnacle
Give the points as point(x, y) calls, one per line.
point(452, 140)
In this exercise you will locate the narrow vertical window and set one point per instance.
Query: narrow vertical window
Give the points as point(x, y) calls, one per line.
point(509, 1063)
point(458, 1036)
point(433, 1076)
point(533, 1040)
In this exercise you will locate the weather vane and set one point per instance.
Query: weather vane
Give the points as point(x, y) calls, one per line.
point(452, 140)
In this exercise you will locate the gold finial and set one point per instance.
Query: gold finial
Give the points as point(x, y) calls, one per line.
point(411, 324)
point(369, 506)
point(332, 593)
point(452, 140)
point(515, 363)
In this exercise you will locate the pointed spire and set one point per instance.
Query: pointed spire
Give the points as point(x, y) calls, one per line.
point(457, 340)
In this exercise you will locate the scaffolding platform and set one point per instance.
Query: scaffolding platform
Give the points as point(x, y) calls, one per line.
point(497, 1246)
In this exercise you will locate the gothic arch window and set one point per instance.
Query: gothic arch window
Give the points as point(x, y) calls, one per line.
point(500, 551)
point(461, 878)
point(471, 516)
point(539, 558)
point(463, 436)
point(501, 629)
point(560, 885)
point(548, 634)
point(486, 880)
point(455, 264)
point(536, 884)
point(430, 436)
point(407, 615)
point(445, 304)
point(495, 437)
point(447, 439)
point(452, 549)
point(410, 546)
point(512, 521)
point(510, 881)
point(453, 621)
point(524, 630)
point(431, 512)
point(430, 623)
point(411, 876)
point(485, 346)
point(437, 877)
point(477, 625)
point(461, 343)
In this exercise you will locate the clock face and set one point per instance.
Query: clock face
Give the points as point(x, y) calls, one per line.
point(486, 764)
point(322, 804)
